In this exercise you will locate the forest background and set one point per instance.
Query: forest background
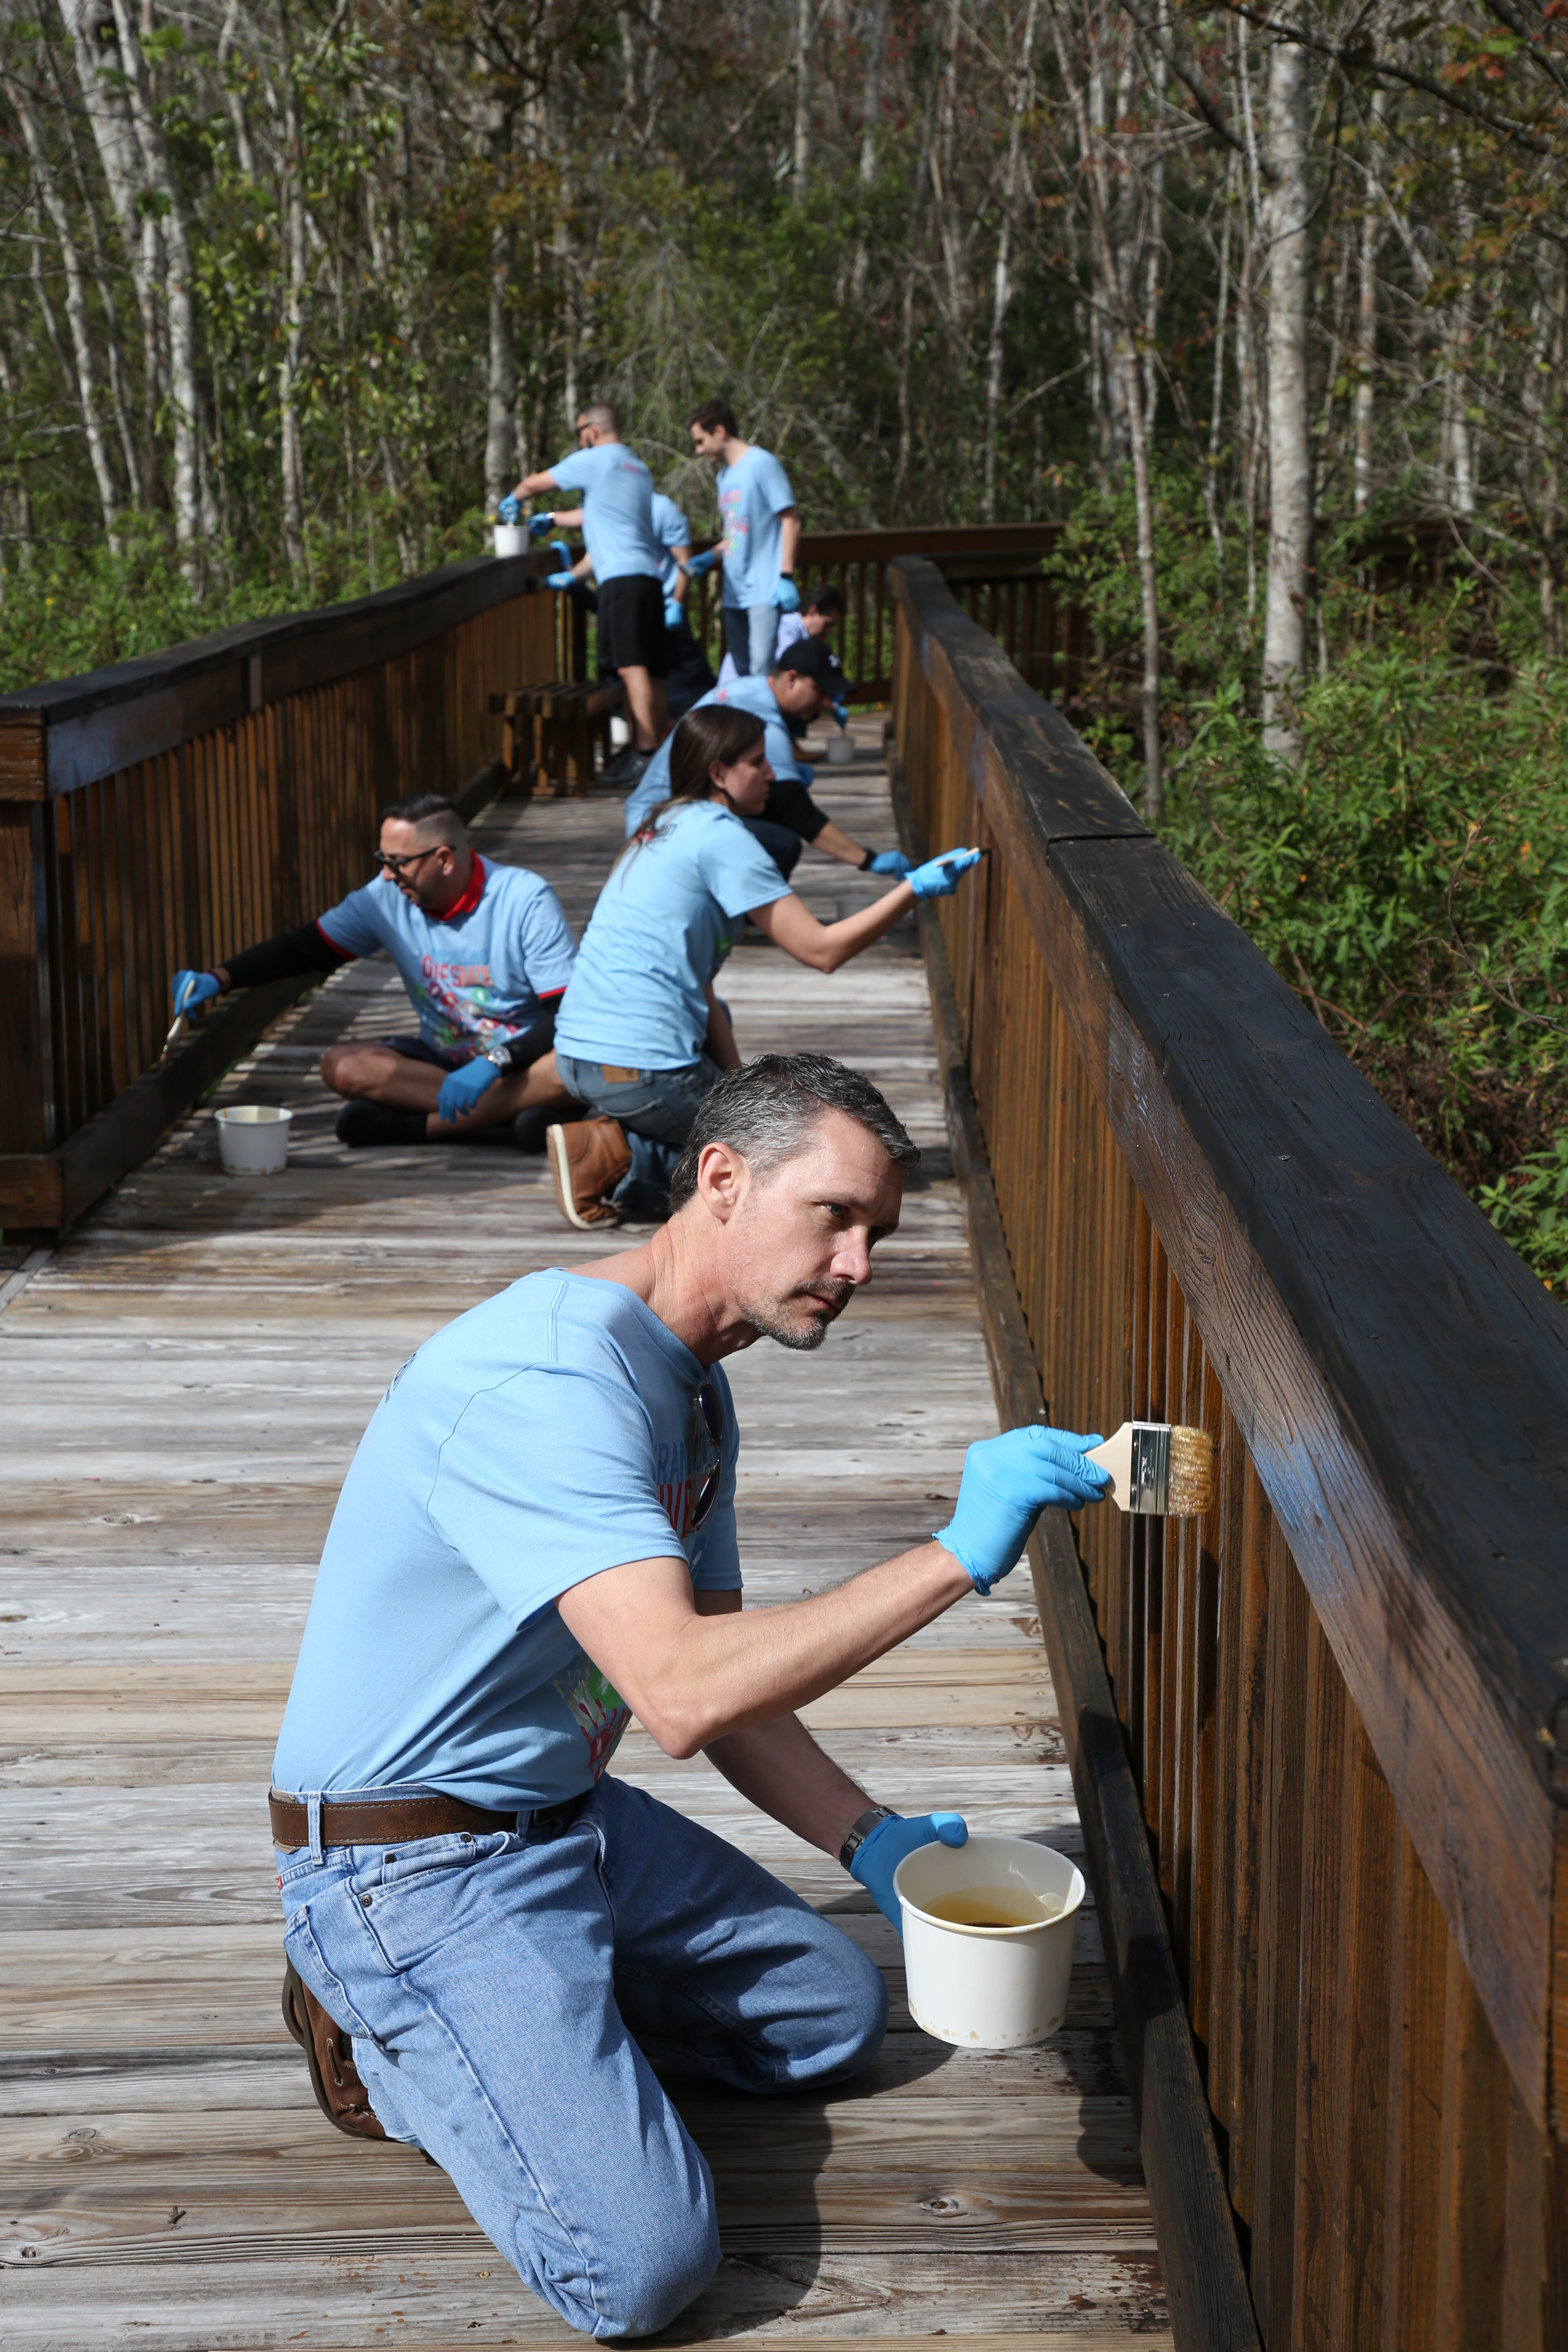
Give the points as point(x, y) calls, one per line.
point(294, 290)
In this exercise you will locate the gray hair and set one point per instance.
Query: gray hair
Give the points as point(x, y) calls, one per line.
point(766, 1110)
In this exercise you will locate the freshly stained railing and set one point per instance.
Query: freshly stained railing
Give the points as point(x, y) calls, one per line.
point(1343, 1697)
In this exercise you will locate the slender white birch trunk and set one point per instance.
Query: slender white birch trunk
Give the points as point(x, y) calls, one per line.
point(804, 44)
point(75, 303)
point(1285, 212)
point(292, 465)
point(1002, 282)
point(870, 120)
point(179, 294)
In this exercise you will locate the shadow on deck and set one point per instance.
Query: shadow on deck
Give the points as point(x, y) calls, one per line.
point(185, 1382)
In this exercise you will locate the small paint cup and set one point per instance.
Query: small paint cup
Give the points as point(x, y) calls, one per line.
point(253, 1139)
point(982, 1985)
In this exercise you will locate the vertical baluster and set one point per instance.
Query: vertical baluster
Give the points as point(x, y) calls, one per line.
point(1279, 1942)
point(1322, 1829)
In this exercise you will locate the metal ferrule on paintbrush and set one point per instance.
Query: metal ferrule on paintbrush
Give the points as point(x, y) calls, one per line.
point(1159, 1469)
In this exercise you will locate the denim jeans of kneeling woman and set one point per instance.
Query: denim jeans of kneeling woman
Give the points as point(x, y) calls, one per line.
point(655, 1107)
point(506, 1994)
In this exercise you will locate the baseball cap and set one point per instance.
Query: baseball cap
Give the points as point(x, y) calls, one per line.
point(811, 657)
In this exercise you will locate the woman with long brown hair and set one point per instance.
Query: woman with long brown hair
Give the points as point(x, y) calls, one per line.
point(641, 1036)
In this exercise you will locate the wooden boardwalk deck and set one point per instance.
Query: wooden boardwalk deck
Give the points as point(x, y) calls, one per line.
point(183, 1383)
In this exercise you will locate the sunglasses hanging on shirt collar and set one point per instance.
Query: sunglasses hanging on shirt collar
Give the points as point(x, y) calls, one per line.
point(706, 1416)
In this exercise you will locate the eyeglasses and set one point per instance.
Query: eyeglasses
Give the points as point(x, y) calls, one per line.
point(707, 1414)
point(395, 865)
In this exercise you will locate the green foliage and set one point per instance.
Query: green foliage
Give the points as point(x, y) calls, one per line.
point(1410, 877)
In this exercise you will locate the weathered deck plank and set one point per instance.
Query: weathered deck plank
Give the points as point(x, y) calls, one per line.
point(183, 1383)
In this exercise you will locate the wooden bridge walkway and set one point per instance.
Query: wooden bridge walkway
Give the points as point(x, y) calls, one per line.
point(183, 1383)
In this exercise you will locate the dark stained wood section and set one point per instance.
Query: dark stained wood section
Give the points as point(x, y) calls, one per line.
point(168, 811)
point(184, 1382)
point(1342, 1692)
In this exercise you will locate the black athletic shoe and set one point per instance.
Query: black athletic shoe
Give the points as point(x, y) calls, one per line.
point(360, 1123)
point(528, 1128)
point(624, 772)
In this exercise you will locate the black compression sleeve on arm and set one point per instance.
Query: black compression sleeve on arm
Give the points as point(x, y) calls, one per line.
point(535, 1041)
point(290, 955)
point(789, 804)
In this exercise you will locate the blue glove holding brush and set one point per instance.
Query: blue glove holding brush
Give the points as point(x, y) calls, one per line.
point(1007, 1482)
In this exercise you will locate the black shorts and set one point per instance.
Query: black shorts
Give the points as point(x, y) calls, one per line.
point(415, 1049)
point(631, 625)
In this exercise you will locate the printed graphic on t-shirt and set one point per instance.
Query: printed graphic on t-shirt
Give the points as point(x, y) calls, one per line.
point(463, 1009)
point(597, 1709)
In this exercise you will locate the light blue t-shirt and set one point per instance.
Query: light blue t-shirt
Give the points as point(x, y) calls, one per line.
point(752, 694)
point(752, 495)
point(670, 528)
point(550, 1433)
point(666, 920)
point(476, 975)
point(618, 511)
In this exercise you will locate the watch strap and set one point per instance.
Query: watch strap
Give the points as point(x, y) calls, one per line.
point(862, 1830)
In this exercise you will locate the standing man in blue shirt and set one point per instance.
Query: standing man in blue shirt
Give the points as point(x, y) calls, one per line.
point(761, 525)
point(485, 954)
point(536, 1539)
point(628, 562)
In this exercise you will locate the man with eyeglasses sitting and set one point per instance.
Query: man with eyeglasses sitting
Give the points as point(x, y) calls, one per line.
point(536, 1541)
point(485, 954)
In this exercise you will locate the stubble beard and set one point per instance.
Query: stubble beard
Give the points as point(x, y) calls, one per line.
point(803, 1337)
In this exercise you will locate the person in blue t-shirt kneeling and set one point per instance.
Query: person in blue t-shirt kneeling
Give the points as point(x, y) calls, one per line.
point(642, 1037)
point(760, 523)
point(497, 1938)
point(485, 954)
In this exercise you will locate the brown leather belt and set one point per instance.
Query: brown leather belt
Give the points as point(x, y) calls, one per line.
point(375, 1822)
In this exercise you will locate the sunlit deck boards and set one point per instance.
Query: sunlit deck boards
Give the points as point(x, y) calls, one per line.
point(183, 1386)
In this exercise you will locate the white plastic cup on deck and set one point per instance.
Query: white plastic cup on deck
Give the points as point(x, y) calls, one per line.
point(511, 538)
point(253, 1139)
point(989, 1988)
point(840, 749)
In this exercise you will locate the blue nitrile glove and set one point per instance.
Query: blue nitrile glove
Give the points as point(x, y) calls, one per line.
point(786, 595)
point(938, 878)
point(510, 508)
point(672, 613)
point(889, 1841)
point(190, 989)
point(560, 581)
point(1007, 1482)
point(540, 526)
point(841, 712)
point(461, 1087)
point(889, 861)
point(701, 563)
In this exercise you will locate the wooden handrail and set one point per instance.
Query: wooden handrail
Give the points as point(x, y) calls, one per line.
point(167, 810)
point(1210, 1216)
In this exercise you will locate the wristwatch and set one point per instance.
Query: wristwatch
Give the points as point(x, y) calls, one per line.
point(862, 1830)
point(499, 1055)
point(866, 861)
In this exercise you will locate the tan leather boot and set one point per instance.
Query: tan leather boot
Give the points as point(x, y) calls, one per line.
point(587, 1159)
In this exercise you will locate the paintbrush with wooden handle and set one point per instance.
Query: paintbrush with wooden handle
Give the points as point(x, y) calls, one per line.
point(1159, 1468)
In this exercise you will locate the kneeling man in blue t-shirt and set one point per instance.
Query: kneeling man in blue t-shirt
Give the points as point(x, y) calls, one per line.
point(535, 1541)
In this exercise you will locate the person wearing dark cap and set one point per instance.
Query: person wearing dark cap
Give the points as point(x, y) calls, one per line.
point(806, 680)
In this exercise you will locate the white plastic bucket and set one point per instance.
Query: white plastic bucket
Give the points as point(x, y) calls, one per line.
point(988, 1988)
point(840, 749)
point(511, 538)
point(253, 1139)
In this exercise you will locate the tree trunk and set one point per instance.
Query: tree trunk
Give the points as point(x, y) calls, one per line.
point(1364, 413)
point(1154, 246)
point(76, 304)
point(870, 119)
point(805, 43)
point(1002, 283)
point(291, 455)
point(179, 294)
point(1461, 446)
point(103, 91)
point(1285, 212)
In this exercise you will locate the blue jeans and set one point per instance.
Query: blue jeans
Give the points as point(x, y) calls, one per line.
point(749, 633)
point(655, 1107)
point(507, 1992)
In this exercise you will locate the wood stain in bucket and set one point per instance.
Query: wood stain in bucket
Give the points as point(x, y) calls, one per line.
point(1011, 1905)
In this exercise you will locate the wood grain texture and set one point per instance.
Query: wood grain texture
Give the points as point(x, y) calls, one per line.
point(1209, 2301)
point(185, 1382)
